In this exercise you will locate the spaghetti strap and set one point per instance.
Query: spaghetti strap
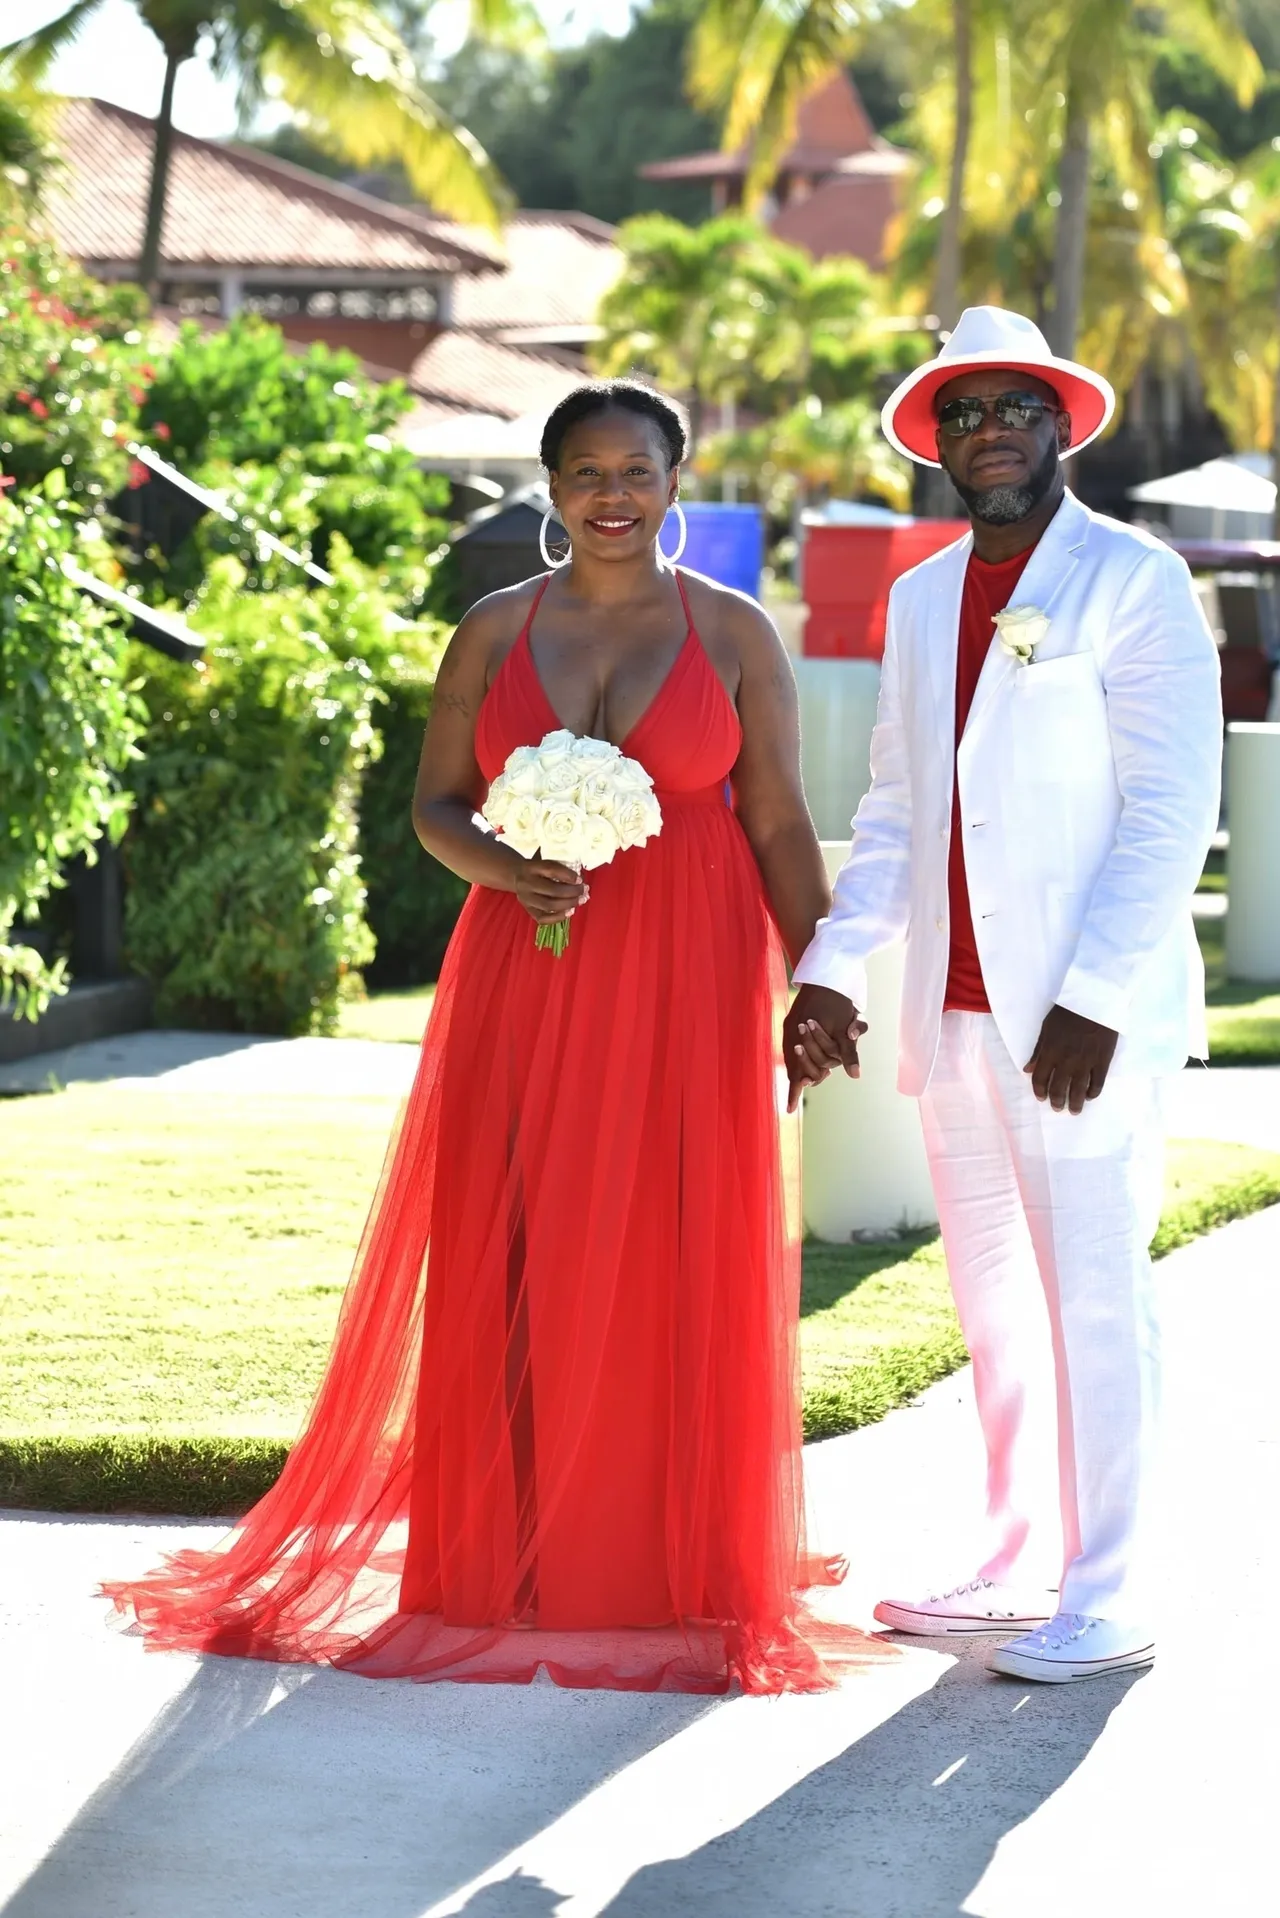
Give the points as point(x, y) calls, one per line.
point(684, 599)
point(523, 635)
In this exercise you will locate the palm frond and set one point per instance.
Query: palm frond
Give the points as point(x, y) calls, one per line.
point(28, 60)
point(352, 80)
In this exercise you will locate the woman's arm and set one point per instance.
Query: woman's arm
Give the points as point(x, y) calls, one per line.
point(766, 780)
point(450, 787)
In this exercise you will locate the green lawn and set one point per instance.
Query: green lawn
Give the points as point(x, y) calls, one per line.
point(400, 1017)
point(1244, 1019)
point(170, 1272)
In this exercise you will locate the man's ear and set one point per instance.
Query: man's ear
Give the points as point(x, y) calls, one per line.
point(1064, 431)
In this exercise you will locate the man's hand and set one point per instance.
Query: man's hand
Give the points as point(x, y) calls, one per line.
point(1072, 1059)
point(820, 1032)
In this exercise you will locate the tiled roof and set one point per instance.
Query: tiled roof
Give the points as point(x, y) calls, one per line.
point(233, 207)
point(831, 125)
point(560, 266)
point(467, 370)
point(846, 213)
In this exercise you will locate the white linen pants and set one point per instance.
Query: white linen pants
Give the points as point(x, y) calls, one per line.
point(1046, 1221)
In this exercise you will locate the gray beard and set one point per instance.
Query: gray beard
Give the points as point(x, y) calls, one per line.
point(1006, 505)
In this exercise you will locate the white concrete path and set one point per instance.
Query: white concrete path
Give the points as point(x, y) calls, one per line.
point(1232, 1102)
point(160, 1786)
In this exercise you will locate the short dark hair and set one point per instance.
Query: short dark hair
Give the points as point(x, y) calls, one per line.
point(603, 396)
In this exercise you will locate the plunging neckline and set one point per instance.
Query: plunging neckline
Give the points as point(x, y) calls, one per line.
point(690, 639)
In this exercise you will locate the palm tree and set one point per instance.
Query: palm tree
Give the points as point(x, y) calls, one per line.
point(336, 62)
point(1235, 298)
point(1098, 62)
point(682, 310)
point(756, 60)
point(813, 450)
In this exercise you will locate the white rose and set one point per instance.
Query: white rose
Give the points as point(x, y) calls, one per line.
point(556, 745)
point(563, 831)
point(598, 794)
point(522, 825)
point(589, 750)
point(560, 778)
point(629, 776)
point(497, 799)
point(1021, 629)
point(599, 842)
point(638, 817)
point(522, 772)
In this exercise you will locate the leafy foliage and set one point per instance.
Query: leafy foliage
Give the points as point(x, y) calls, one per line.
point(245, 903)
point(726, 311)
point(74, 369)
point(67, 725)
point(298, 445)
point(413, 901)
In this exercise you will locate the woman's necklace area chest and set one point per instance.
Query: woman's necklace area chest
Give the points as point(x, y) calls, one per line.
point(602, 681)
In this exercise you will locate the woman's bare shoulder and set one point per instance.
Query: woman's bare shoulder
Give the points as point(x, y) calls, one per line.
point(488, 630)
point(732, 621)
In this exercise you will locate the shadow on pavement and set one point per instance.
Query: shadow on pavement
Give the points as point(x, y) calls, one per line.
point(267, 1791)
point(902, 1824)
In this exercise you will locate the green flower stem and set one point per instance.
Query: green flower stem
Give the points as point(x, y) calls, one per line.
point(553, 938)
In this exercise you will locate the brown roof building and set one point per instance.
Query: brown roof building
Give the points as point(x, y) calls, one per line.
point(245, 230)
point(838, 187)
point(488, 332)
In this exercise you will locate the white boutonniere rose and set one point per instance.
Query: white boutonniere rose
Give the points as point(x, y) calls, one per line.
point(1020, 630)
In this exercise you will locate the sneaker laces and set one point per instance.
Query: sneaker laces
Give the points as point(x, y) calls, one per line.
point(962, 1591)
point(1063, 1629)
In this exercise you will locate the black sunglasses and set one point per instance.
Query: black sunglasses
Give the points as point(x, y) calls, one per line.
point(1019, 410)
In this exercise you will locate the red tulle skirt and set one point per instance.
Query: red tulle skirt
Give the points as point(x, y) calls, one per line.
point(560, 1423)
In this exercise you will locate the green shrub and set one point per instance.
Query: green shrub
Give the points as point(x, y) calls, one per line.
point(67, 725)
point(245, 903)
point(414, 901)
point(75, 362)
point(298, 445)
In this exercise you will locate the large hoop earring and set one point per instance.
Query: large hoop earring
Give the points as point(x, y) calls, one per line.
point(671, 558)
point(551, 565)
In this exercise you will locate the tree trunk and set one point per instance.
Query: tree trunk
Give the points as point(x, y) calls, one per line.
point(937, 498)
point(1073, 223)
point(946, 283)
point(149, 264)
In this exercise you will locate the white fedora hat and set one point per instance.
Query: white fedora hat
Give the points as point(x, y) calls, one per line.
point(988, 336)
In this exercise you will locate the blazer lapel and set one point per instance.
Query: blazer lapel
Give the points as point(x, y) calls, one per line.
point(1047, 572)
point(942, 629)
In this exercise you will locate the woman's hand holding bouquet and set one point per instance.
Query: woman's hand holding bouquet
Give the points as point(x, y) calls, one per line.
point(567, 806)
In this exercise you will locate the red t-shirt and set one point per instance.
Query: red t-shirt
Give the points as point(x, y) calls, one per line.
point(987, 591)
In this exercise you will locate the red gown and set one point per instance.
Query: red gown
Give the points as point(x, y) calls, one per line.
point(560, 1421)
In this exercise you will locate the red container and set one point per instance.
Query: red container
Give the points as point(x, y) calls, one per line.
point(846, 575)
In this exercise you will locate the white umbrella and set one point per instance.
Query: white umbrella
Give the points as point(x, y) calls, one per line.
point(1219, 486)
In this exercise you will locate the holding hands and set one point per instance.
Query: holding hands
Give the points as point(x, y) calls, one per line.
point(820, 1032)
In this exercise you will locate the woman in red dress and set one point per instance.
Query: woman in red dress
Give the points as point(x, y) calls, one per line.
point(560, 1423)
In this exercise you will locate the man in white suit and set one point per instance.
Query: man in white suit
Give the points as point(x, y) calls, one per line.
point(1045, 774)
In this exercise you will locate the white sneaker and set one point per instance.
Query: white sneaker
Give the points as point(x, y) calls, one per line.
point(979, 1606)
point(1073, 1646)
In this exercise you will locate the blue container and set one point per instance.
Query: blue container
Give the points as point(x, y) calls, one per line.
point(725, 542)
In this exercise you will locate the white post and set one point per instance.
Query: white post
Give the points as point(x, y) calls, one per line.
point(864, 1162)
point(1253, 852)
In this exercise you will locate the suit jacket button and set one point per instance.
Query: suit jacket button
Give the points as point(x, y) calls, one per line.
point(939, 923)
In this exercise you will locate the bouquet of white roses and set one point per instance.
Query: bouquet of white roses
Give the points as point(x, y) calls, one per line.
point(575, 800)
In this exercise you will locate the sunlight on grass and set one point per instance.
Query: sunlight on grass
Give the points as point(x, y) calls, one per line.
point(171, 1271)
point(398, 1017)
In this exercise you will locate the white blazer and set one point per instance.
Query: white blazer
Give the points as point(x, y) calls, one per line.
point(1089, 792)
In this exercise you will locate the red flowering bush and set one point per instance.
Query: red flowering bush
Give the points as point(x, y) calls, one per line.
point(75, 368)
